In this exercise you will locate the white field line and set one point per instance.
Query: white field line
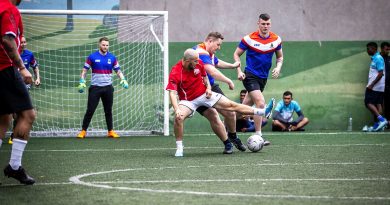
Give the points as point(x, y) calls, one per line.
point(300, 133)
point(167, 148)
point(104, 185)
point(205, 181)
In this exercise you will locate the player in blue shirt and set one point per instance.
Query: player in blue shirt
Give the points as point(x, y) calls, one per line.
point(259, 46)
point(375, 87)
point(102, 64)
point(206, 51)
point(29, 60)
point(283, 115)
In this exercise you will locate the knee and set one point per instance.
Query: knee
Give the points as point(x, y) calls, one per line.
point(260, 104)
point(179, 120)
point(27, 116)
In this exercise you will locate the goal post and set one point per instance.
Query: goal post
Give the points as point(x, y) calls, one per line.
point(61, 40)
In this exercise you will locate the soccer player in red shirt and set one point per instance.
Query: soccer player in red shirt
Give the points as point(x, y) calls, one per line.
point(14, 94)
point(188, 78)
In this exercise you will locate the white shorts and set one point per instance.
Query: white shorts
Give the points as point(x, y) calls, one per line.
point(201, 101)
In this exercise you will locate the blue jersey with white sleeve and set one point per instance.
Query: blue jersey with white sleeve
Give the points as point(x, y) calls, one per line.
point(377, 65)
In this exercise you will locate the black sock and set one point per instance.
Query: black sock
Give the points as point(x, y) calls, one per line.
point(232, 135)
point(226, 142)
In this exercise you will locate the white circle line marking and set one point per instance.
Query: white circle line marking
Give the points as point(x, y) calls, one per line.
point(77, 180)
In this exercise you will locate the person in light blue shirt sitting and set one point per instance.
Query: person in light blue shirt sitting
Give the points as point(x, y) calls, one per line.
point(283, 115)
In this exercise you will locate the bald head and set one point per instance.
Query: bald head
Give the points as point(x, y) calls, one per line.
point(190, 59)
point(190, 54)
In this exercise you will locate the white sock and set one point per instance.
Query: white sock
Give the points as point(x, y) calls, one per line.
point(179, 145)
point(259, 111)
point(1, 142)
point(17, 152)
point(259, 133)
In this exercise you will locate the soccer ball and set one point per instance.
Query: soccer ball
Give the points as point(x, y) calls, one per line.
point(255, 143)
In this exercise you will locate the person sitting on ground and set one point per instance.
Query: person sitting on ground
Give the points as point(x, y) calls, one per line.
point(245, 123)
point(283, 115)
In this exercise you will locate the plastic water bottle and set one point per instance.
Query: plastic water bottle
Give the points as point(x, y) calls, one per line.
point(349, 129)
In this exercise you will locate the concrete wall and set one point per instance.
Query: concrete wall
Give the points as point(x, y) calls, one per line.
point(293, 20)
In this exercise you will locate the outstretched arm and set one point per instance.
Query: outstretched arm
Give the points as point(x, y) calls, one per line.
point(225, 65)
point(210, 69)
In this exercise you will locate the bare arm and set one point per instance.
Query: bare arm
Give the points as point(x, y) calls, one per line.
point(210, 69)
point(279, 63)
point(83, 73)
point(236, 56)
point(9, 44)
point(208, 86)
point(225, 65)
point(173, 98)
point(120, 74)
point(37, 76)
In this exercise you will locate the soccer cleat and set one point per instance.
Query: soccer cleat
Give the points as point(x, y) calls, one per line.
point(365, 128)
point(179, 153)
point(228, 148)
point(19, 175)
point(82, 134)
point(238, 144)
point(268, 109)
point(381, 125)
point(112, 134)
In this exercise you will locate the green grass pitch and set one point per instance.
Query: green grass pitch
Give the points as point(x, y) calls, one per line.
point(298, 168)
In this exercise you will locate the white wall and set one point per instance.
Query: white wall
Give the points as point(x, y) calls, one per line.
point(293, 20)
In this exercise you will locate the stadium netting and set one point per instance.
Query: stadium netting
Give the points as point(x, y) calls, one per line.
point(62, 40)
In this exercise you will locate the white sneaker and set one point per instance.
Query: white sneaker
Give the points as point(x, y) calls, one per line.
point(365, 128)
point(179, 153)
point(381, 125)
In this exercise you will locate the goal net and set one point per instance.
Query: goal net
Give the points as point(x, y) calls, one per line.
point(61, 41)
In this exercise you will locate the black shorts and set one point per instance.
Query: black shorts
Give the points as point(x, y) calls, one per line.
point(373, 97)
point(214, 88)
point(252, 82)
point(14, 94)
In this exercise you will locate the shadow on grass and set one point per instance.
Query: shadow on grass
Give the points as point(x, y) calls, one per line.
point(101, 31)
point(60, 32)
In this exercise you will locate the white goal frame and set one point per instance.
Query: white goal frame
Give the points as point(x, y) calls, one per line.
point(163, 44)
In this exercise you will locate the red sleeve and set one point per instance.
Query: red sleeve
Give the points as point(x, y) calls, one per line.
point(172, 81)
point(8, 23)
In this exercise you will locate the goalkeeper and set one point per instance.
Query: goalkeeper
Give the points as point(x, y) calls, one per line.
point(102, 63)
